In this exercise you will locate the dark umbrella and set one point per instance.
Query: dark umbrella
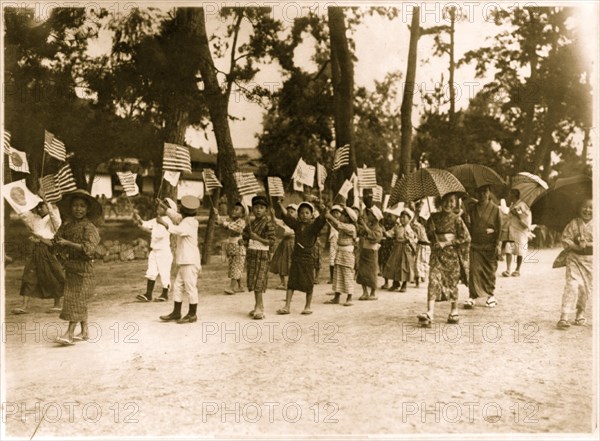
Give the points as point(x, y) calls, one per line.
point(473, 176)
point(559, 205)
point(422, 183)
point(530, 186)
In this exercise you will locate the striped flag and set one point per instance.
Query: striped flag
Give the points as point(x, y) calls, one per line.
point(321, 176)
point(342, 157)
point(6, 142)
point(246, 183)
point(127, 180)
point(394, 180)
point(367, 177)
point(275, 186)
point(54, 146)
point(378, 193)
point(210, 180)
point(177, 158)
point(54, 186)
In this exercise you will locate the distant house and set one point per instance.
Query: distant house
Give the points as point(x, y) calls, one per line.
point(107, 183)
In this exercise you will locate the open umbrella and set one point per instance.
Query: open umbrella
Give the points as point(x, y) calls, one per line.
point(473, 176)
point(560, 204)
point(422, 183)
point(530, 186)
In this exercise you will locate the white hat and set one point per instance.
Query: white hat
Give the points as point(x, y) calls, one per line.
point(337, 208)
point(351, 214)
point(408, 211)
point(376, 212)
point(292, 206)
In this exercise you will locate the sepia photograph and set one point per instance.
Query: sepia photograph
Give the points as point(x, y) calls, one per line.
point(299, 219)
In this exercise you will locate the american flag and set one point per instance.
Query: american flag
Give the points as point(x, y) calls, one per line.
point(177, 158)
point(342, 157)
point(6, 142)
point(367, 177)
point(394, 180)
point(54, 146)
point(246, 183)
point(54, 186)
point(321, 176)
point(128, 182)
point(275, 186)
point(210, 180)
point(378, 193)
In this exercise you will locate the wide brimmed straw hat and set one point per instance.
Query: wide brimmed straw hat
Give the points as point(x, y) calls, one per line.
point(376, 212)
point(94, 207)
point(353, 215)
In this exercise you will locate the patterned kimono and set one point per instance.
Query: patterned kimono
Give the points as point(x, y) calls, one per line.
point(578, 283)
point(79, 268)
point(368, 265)
point(483, 260)
point(282, 258)
point(302, 270)
point(345, 260)
point(449, 265)
point(236, 252)
point(401, 265)
point(257, 256)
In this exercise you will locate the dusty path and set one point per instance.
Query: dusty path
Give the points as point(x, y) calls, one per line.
point(362, 369)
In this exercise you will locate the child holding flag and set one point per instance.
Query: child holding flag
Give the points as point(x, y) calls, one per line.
point(282, 258)
point(343, 273)
point(187, 257)
point(260, 236)
point(160, 257)
point(302, 274)
point(236, 252)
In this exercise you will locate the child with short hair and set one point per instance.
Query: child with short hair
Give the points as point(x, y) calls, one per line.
point(260, 236)
point(160, 257)
point(236, 252)
point(400, 266)
point(302, 274)
point(282, 258)
point(187, 258)
point(371, 233)
point(336, 211)
point(343, 273)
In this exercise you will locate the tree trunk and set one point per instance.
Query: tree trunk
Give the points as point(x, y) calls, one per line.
point(218, 103)
point(176, 124)
point(544, 148)
point(452, 113)
point(342, 75)
point(407, 98)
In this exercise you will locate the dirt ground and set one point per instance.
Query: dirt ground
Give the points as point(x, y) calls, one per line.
point(364, 369)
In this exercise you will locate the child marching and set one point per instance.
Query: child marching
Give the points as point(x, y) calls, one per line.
point(302, 272)
point(187, 257)
point(371, 233)
point(400, 266)
point(343, 272)
point(282, 258)
point(236, 252)
point(160, 257)
point(260, 236)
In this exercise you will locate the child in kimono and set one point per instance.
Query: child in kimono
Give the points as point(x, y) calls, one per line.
point(236, 252)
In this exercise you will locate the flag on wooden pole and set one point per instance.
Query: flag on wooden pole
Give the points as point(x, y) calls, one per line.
point(177, 158)
point(367, 177)
point(17, 161)
point(54, 186)
point(246, 183)
point(6, 142)
point(54, 146)
point(342, 157)
point(275, 186)
point(345, 189)
point(210, 180)
point(321, 176)
point(304, 173)
point(128, 182)
point(65, 179)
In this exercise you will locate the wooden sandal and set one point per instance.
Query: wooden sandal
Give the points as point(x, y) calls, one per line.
point(563, 324)
point(424, 320)
point(453, 319)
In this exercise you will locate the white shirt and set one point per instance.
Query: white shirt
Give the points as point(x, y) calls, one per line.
point(186, 232)
point(160, 239)
point(46, 226)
